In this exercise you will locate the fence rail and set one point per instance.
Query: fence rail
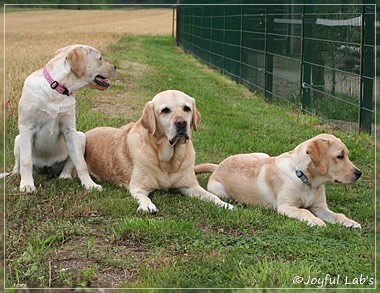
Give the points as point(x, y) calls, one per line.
point(319, 57)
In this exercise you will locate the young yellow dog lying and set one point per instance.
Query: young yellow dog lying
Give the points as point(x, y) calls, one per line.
point(292, 183)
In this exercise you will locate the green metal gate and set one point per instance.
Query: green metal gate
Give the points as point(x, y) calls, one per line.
point(320, 57)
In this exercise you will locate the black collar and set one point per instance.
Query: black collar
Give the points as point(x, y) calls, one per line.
point(302, 176)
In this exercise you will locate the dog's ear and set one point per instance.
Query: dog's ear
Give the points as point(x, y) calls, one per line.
point(59, 51)
point(196, 118)
point(62, 50)
point(148, 119)
point(76, 59)
point(317, 151)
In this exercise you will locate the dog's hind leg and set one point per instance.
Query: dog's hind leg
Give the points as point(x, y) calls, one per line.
point(67, 171)
point(76, 144)
point(217, 188)
point(198, 191)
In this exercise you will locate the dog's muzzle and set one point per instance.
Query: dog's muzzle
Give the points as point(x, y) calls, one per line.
point(355, 176)
point(181, 132)
point(102, 81)
point(358, 173)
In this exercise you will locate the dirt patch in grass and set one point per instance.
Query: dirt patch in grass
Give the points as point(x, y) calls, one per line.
point(95, 262)
point(115, 105)
point(123, 100)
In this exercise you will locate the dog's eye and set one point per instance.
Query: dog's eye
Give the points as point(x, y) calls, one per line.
point(186, 109)
point(340, 157)
point(100, 58)
point(165, 110)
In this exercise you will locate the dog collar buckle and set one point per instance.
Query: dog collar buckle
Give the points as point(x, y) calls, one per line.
point(54, 84)
point(302, 176)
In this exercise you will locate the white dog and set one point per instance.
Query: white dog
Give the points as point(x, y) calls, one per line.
point(47, 137)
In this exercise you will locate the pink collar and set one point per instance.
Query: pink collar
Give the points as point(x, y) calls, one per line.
point(55, 84)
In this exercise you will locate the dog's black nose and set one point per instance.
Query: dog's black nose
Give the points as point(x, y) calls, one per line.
point(114, 67)
point(358, 173)
point(180, 123)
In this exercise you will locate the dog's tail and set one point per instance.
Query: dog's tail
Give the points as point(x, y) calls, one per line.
point(205, 168)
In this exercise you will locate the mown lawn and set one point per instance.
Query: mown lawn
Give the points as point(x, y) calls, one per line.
point(63, 236)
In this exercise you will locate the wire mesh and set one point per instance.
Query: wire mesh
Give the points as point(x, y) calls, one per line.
point(318, 57)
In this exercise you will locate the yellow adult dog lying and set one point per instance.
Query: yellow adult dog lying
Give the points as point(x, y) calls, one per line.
point(292, 183)
point(156, 152)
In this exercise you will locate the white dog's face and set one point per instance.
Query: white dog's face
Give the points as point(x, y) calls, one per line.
point(172, 114)
point(87, 66)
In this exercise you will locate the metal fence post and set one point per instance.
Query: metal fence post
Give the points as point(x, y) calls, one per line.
point(241, 45)
point(268, 56)
point(367, 71)
point(306, 55)
point(177, 30)
point(224, 39)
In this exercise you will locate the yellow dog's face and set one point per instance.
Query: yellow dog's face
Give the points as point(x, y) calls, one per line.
point(87, 65)
point(172, 114)
point(330, 157)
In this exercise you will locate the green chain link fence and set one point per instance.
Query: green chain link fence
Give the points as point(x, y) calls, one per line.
point(319, 57)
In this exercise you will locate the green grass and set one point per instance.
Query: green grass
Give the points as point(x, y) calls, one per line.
point(64, 236)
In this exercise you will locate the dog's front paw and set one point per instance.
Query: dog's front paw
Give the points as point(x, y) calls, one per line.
point(93, 186)
point(226, 205)
point(147, 208)
point(346, 222)
point(65, 176)
point(351, 224)
point(316, 222)
point(28, 188)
